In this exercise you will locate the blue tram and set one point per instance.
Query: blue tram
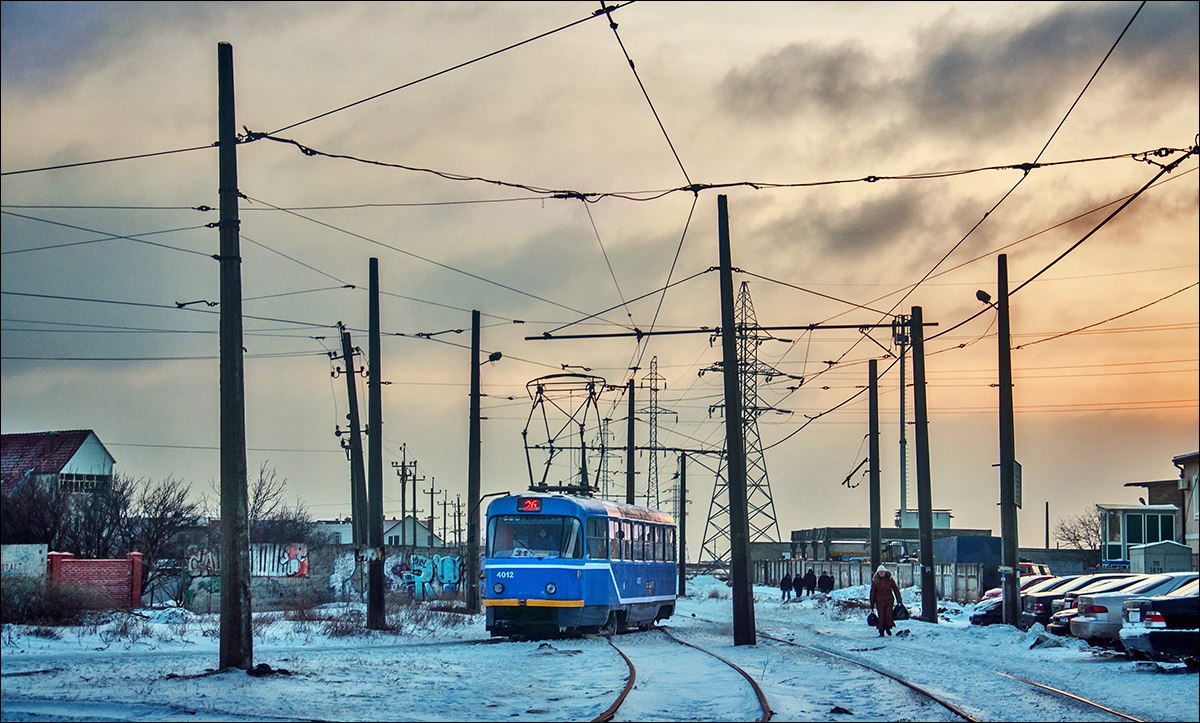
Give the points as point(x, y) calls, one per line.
point(558, 564)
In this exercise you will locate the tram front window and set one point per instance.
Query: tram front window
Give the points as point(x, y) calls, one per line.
point(528, 536)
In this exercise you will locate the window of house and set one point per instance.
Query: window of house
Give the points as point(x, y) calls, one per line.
point(1134, 527)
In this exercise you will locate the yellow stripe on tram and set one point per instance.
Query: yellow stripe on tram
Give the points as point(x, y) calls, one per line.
point(533, 603)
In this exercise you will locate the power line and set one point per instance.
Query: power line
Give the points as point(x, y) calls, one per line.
point(106, 236)
point(427, 260)
point(612, 24)
point(447, 70)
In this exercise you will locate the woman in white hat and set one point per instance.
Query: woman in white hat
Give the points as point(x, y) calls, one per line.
point(885, 595)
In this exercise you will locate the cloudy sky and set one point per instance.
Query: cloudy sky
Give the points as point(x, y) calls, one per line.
point(454, 181)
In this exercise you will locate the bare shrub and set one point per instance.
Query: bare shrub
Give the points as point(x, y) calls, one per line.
point(44, 632)
point(343, 626)
point(127, 629)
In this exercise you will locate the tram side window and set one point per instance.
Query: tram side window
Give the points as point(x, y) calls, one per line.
point(627, 540)
point(615, 535)
point(671, 544)
point(597, 538)
point(652, 543)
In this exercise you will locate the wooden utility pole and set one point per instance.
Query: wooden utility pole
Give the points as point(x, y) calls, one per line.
point(1009, 501)
point(735, 449)
point(873, 454)
point(924, 488)
point(237, 638)
point(629, 483)
point(376, 616)
point(358, 477)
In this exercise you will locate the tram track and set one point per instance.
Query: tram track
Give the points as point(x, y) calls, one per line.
point(906, 683)
point(613, 709)
point(1062, 694)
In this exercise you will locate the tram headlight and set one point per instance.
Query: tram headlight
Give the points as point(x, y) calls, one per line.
point(551, 588)
point(498, 588)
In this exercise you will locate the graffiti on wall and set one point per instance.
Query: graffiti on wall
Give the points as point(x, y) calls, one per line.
point(414, 574)
point(267, 559)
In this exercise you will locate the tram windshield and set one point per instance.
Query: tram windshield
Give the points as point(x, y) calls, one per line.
point(534, 536)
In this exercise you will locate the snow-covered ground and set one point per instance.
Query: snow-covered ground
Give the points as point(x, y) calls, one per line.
point(133, 668)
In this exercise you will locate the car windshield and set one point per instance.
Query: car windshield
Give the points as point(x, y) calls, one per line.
point(1149, 584)
point(1048, 585)
point(534, 536)
point(1120, 583)
point(1192, 588)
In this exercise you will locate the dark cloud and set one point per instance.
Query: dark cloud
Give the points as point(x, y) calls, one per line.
point(801, 79)
point(969, 82)
point(841, 230)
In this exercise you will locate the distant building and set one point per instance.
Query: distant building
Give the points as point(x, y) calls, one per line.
point(1189, 504)
point(1124, 526)
point(74, 459)
point(414, 532)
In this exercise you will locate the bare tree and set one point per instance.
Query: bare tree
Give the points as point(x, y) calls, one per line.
point(1081, 532)
point(272, 519)
point(162, 515)
point(33, 512)
point(98, 521)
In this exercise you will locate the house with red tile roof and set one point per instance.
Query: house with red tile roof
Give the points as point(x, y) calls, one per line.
point(75, 458)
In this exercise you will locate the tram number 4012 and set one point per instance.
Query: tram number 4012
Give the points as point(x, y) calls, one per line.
point(505, 574)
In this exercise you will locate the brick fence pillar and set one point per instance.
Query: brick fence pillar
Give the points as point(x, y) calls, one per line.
point(135, 579)
point(54, 562)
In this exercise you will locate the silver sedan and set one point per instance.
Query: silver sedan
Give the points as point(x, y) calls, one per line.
point(1099, 618)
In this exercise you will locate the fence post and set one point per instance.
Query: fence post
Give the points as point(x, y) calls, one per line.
point(135, 580)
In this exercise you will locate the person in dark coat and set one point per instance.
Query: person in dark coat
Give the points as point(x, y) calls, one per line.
point(825, 582)
point(785, 586)
point(885, 596)
point(798, 585)
point(810, 581)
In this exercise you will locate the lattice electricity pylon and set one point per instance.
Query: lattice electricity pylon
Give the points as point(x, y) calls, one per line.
point(603, 452)
point(572, 397)
point(654, 381)
point(760, 506)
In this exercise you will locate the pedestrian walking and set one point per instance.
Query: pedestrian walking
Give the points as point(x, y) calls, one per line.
point(810, 581)
point(825, 582)
point(885, 596)
point(785, 586)
point(798, 585)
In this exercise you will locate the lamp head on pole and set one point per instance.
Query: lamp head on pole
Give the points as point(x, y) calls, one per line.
point(983, 296)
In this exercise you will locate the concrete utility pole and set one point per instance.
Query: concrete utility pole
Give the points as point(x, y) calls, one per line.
point(682, 524)
point(924, 489)
point(406, 470)
point(473, 473)
point(629, 485)
point(376, 616)
point(358, 475)
point(433, 490)
point(1009, 494)
point(873, 454)
point(735, 448)
point(237, 638)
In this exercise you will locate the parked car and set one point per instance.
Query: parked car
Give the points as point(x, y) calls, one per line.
point(1060, 622)
point(1036, 606)
point(1164, 627)
point(1120, 583)
point(1024, 582)
point(1033, 568)
point(1100, 613)
point(989, 612)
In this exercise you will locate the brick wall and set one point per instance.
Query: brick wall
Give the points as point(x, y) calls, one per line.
point(106, 583)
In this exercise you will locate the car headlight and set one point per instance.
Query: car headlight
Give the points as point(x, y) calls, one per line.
point(498, 588)
point(551, 588)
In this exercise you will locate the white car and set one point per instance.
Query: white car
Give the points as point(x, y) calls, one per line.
point(1099, 618)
